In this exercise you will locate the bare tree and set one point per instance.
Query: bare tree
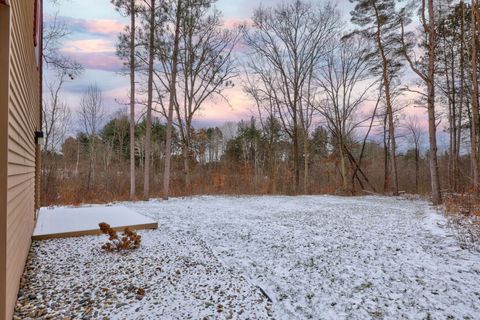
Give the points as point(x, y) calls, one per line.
point(286, 44)
point(415, 133)
point(267, 114)
point(462, 89)
point(56, 114)
point(379, 22)
point(92, 114)
point(345, 82)
point(148, 135)
point(206, 64)
point(151, 15)
point(427, 75)
point(54, 32)
point(132, 99)
point(474, 129)
point(55, 121)
point(128, 8)
point(171, 102)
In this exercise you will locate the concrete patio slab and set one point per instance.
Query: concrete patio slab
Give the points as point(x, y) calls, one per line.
point(64, 222)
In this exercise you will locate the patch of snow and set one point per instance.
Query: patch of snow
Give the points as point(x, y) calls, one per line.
point(315, 257)
point(333, 257)
point(436, 223)
point(53, 220)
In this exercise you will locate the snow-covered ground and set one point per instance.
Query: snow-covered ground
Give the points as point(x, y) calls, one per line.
point(315, 257)
point(61, 220)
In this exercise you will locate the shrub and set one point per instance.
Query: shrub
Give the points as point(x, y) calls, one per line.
point(129, 240)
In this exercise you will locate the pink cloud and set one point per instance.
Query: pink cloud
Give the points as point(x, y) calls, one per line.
point(106, 61)
point(107, 27)
point(88, 46)
point(239, 106)
point(104, 26)
point(93, 54)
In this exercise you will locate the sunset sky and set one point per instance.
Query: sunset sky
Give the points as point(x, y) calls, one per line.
point(94, 26)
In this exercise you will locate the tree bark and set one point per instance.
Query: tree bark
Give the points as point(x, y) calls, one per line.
point(132, 99)
point(186, 165)
point(148, 131)
point(386, 147)
point(454, 122)
point(432, 128)
point(173, 84)
point(462, 94)
point(450, 84)
point(388, 100)
point(78, 157)
point(343, 165)
point(417, 157)
point(296, 158)
point(474, 133)
point(305, 163)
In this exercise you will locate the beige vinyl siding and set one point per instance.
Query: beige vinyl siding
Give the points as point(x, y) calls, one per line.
point(4, 89)
point(23, 119)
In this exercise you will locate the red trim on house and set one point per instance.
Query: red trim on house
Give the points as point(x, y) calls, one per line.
point(35, 23)
point(40, 62)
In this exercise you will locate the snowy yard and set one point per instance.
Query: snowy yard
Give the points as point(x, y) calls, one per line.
point(315, 257)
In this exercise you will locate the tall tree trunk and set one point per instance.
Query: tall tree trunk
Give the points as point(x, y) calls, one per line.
point(186, 165)
point(148, 131)
point(78, 157)
point(388, 100)
point(449, 72)
point(391, 131)
point(173, 84)
point(417, 157)
point(305, 162)
point(386, 147)
point(273, 169)
point(454, 124)
point(91, 163)
point(432, 128)
point(454, 121)
point(474, 134)
point(450, 87)
point(132, 99)
point(462, 92)
point(343, 165)
point(296, 159)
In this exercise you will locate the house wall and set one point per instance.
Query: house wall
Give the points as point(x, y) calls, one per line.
point(19, 118)
point(4, 54)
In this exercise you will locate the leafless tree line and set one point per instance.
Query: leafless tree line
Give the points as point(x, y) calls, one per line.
point(323, 94)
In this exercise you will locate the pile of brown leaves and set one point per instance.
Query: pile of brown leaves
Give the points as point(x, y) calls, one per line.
point(127, 241)
point(464, 203)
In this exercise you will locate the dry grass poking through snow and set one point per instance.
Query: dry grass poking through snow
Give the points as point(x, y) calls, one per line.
point(463, 214)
